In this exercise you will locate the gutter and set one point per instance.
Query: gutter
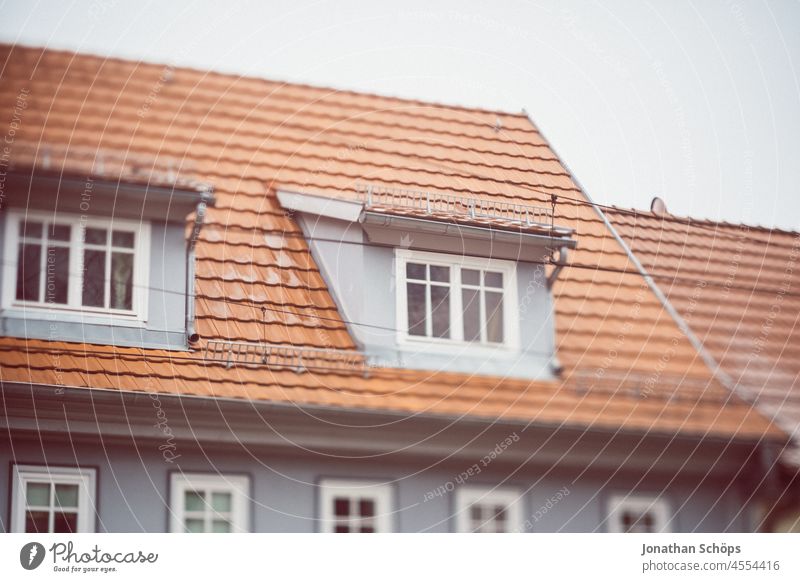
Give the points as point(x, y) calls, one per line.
point(438, 227)
point(393, 415)
point(206, 198)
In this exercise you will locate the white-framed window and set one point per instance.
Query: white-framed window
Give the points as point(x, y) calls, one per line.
point(488, 510)
point(47, 499)
point(206, 502)
point(453, 299)
point(353, 506)
point(638, 514)
point(69, 262)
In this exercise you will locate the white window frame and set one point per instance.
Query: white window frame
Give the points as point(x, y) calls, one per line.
point(657, 506)
point(78, 224)
point(85, 479)
point(469, 495)
point(237, 485)
point(456, 263)
point(381, 493)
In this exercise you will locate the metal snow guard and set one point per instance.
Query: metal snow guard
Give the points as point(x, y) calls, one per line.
point(284, 356)
point(437, 203)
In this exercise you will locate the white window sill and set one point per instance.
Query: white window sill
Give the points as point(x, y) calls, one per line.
point(411, 344)
point(71, 315)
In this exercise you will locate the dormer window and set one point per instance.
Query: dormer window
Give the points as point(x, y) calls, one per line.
point(446, 273)
point(449, 298)
point(68, 262)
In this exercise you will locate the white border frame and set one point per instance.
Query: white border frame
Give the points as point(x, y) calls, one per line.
point(658, 506)
point(468, 495)
point(85, 478)
point(237, 485)
point(381, 492)
point(510, 303)
point(141, 265)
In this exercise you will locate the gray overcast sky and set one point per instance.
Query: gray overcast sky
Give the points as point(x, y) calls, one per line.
point(697, 102)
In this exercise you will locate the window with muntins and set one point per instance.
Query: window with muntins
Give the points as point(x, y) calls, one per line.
point(354, 506)
point(486, 510)
point(206, 503)
point(52, 499)
point(448, 298)
point(638, 514)
point(69, 262)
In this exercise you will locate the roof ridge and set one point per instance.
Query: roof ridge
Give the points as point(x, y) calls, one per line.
point(329, 90)
point(691, 221)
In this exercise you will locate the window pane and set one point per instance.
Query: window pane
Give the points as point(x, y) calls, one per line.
point(94, 274)
point(470, 277)
point(221, 501)
point(441, 274)
point(59, 232)
point(194, 525)
point(37, 494)
point(416, 308)
point(56, 275)
point(96, 236)
point(415, 271)
point(120, 238)
point(472, 314)
point(494, 317)
point(121, 281)
point(440, 311)
point(366, 508)
point(341, 506)
point(36, 521)
point(627, 520)
point(66, 495)
point(341, 528)
point(367, 529)
point(28, 271)
point(475, 513)
point(194, 501)
point(31, 229)
point(635, 522)
point(64, 522)
point(491, 279)
point(220, 526)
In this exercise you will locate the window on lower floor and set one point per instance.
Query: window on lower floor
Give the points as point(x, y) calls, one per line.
point(487, 510)
point(209, 503)
point(638, 514)
point(71, 262)
point(52, 499)
point(461, 299)
point(355, 506)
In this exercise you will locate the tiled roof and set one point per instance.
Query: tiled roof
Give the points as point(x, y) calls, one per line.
point(256, 279)
point(737, 288)
point(406, 391)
